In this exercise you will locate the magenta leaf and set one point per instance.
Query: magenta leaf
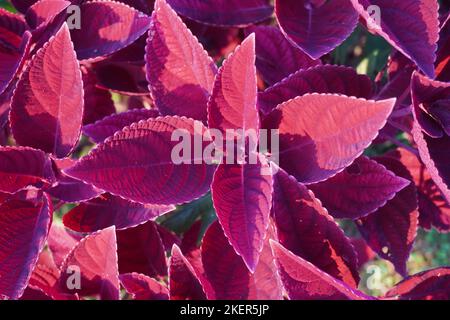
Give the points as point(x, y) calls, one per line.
point(276, 57)
point(106, 127)
point(22, 167)
point(124, 164)
point(142, 287)
point(119, 26)
point(68, 189)
point(433, 208)
point(391, 230)
point(140, 249)
point(305, 228)
point(24, 226)
point(242, 197)
point(95, 257)
point(304, 281)
point(412, 27)
point(224, 12)
point(179, 71)
point(226, 277)
point(233, 101)
point(49, 92)
point(431, 284)
point(319, 79)
point(321, 134)
point(12, 27)
point(97, 101)
point(359, 190)
point(303, 23)
point(184, 283)
point(108, 210)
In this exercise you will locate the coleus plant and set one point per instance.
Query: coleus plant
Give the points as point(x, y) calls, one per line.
point(271, 229)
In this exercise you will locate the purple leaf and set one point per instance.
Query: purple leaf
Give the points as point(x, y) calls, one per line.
point(431, 284)
point(303, 281)
point(95, 257)
point(391, 230)
point(108, 210)
point(242, 197)
point(179, 71)
point(119, 26)
point(224, 12)
point(433, 208)
point(430, 129)
point(316, 27)
point(49, 92)
point(226, 277)
point(24, 226)
point(13, 59)
point(23, 5)
point(322, 134)
point(319, 79)
point(183, 280)
point(305, 227)
point(97, 102)
point(123, 165)
point(68, 189)
point(142, 287)
point(106, 127)
point(233, 101)
point(359, 190)
point(22, 167)
point(140, 249)
point(276, 57)
point(411, 27)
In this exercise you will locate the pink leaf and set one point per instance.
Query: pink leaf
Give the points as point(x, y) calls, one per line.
point(140, 249)
point(183, 281)
point(224, 12)
point(316, 27)
point(233, 101)
point(142, 287)
point(151, 177)
point(391, 230)
point(49, 92)
point(60, 242)
point(106, 127)
point(305, 228)
point(108, 210)
point(411, 27)
point(119, 26)
point(276, 57)
point(24, 226)
point(44, 11)
point(242, 197)
point(431, 284)
point(303, 281)
point(319, 79)
point(321, 134)
point(22, 167)
point(359, 190)
point(226, 277)
point(95, 257)
point(179, 71)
